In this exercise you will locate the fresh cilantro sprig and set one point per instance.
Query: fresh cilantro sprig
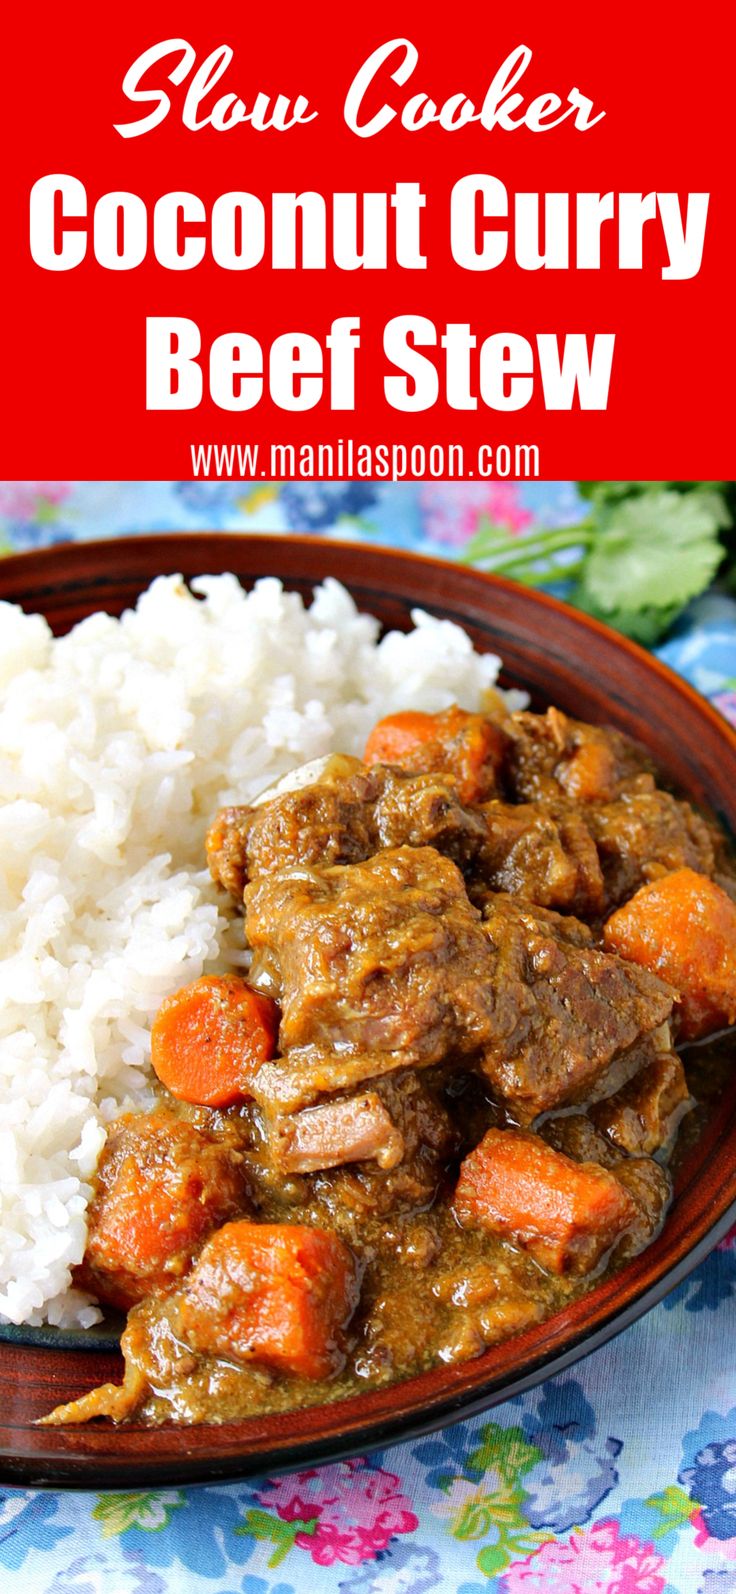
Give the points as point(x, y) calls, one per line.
point(641, 553)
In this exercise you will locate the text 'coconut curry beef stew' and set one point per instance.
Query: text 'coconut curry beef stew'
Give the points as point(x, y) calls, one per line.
point(447, 1097)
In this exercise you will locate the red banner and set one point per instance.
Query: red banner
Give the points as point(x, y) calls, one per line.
point(316, 242)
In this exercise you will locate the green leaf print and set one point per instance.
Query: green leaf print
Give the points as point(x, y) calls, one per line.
point(505, 1451)
point(510, 1546)
point(153, 1511)
point(261, 1525)
point(674, 1508)
point(502, 1458)
point(479, 1516)
point(493, 1559)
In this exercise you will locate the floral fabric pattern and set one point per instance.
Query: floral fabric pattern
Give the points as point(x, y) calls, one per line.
point(616, 1478)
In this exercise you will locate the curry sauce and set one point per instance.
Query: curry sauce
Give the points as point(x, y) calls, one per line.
point(449, 1095)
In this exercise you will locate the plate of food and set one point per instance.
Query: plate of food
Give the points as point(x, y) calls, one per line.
point(369, 936)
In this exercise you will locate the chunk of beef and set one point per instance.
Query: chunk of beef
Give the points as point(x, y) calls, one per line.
point(631, 1062)
point(349, 1129)
point(381, 964)
point(564, 1013)
point(650, 1187)
point(227, 849)
point(358, 1197)
point(576, 1136)
point(532, 918)
point(424, 811)
point(646, 834)
point(329, 822)
point(643, 1116)
point(342, 821)
point(385, 964)
point(470, 748)
point(566, 1214)
point(552, 755)
point(543, 852)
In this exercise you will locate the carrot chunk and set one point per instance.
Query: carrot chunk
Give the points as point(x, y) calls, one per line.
point(683, 927)
point(469, 747)
point(162, 1186)
point(208, 1039)
point(276, 1293)
point(399, 737)
point(565, 1214)
point(591, 774)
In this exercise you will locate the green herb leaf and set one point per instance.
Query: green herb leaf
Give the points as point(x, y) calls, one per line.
point(654, 551)
point(616, 492)
point(645, 626)
point(642, 552)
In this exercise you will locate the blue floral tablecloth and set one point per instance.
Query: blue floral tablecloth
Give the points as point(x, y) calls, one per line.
point(617, 1478)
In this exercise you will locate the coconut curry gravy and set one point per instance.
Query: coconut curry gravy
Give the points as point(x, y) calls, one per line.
point(448, 1096)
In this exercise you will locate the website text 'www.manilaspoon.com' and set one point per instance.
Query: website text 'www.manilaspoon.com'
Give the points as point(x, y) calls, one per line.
point(348, 460)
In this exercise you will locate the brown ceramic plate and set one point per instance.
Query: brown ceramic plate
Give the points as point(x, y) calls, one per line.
point(559, 656)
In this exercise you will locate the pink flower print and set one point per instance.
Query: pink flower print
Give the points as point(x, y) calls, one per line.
point(506, 508)
point(596, 1561)
point(21, 500)
point(358, 1508)
point(452, 510)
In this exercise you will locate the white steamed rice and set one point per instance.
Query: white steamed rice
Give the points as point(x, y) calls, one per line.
point(117, 744)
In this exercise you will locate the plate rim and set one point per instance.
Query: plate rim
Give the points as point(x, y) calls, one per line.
point(446, 1407)
point(31, 559)
point(375, 1436)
